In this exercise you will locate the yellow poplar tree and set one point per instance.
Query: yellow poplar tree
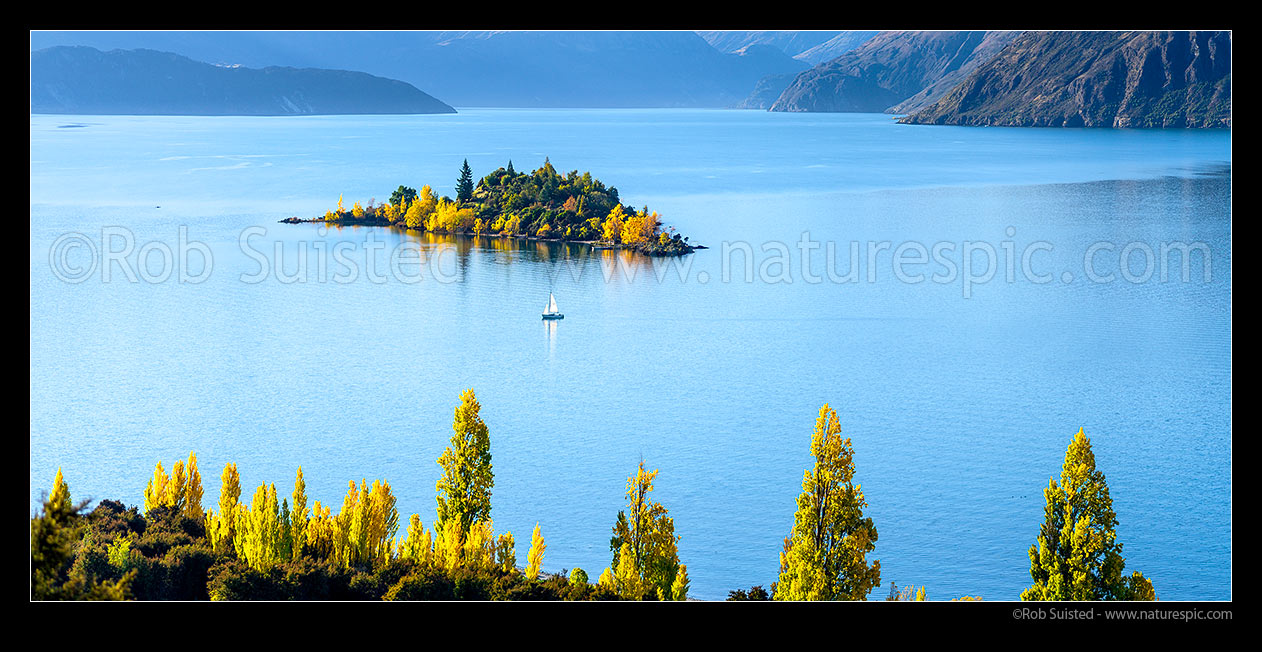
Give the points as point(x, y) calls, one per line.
point(464, 489)
point(417, 545)
point(366, 525)
point(679, 590)
point(193, 490)
point(506, 553)
point(61, 493)
point(647, 533)
point(824, 557)
point(300, 515)
point(1077, 556)
point(534, 560)
point(259, 530)
point(221, 525)
point(321, 532)
point(156, 490)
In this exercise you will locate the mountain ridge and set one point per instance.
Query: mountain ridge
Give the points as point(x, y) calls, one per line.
point(1134, 79)
point(85, 80)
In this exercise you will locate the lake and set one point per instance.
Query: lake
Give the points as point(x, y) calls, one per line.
point(965, 298)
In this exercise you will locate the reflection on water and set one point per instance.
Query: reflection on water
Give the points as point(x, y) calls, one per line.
point(550, 331)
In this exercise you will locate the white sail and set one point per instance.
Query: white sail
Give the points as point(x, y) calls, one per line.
point(552, 304)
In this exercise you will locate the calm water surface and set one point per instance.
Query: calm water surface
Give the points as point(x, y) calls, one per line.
point(959, 398)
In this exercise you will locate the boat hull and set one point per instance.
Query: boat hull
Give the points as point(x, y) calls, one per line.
point(553, 316)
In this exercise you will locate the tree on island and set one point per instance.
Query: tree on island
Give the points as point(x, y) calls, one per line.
point(824, 557)
point(402, 196)
point(464, 185)
point(1077, 556)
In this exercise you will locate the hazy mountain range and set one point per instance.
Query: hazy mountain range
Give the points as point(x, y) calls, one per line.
point(84, 80)
point(515, 68)
point(1097, 78)
point(811, 47)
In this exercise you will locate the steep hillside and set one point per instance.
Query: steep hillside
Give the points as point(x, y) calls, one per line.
point(1096, 79)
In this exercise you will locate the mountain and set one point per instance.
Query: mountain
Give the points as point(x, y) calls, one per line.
point(491, 68)
point(1096, 79)
point(834, 47)
point(892, 70)
point(84, 80)
point(767, 91)
point(810, 47)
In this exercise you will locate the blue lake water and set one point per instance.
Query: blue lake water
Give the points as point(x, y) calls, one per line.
point(960, 391)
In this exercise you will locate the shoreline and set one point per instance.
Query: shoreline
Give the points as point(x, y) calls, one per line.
point(596, 245)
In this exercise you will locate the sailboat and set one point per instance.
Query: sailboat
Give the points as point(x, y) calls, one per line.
point(551, 311)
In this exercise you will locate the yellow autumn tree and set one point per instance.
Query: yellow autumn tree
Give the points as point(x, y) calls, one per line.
point(193, 490)
point(825, 555)
point(299, 516)
point(464, 488)
point(156, 491)
point(640, 228)
point(645, 547)
point(60, 496)
point(322, 532)
point(534, 560)
point(417, 544)
point(611, 231)
point(221, 525)
point(506, 552)
point(365, 528)
point(259, 530)
point(1077, 555)
point(390, 212)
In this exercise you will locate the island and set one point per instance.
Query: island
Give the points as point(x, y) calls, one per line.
point(540, 205)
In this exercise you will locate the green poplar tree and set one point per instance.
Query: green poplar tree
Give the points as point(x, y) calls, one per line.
point(825, 555)
point(464, 489)
point(1077, 556)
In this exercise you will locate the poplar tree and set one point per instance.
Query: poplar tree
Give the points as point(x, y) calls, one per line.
point(534, 560)
point(259, 533)
point(644, 544)
point(193, 490)
point(825, 555)
point(464, 489)
point(61, 493)
point(1077, 556)
point(221, 526)
point(300, 516)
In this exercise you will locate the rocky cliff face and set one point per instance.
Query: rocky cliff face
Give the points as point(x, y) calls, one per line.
point(892, 71)
point(1095, 79)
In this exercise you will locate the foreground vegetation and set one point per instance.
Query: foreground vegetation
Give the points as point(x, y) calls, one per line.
point(280, 548)
point(542, 204)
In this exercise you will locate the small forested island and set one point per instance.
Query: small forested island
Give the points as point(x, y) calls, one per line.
point(542, 205)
